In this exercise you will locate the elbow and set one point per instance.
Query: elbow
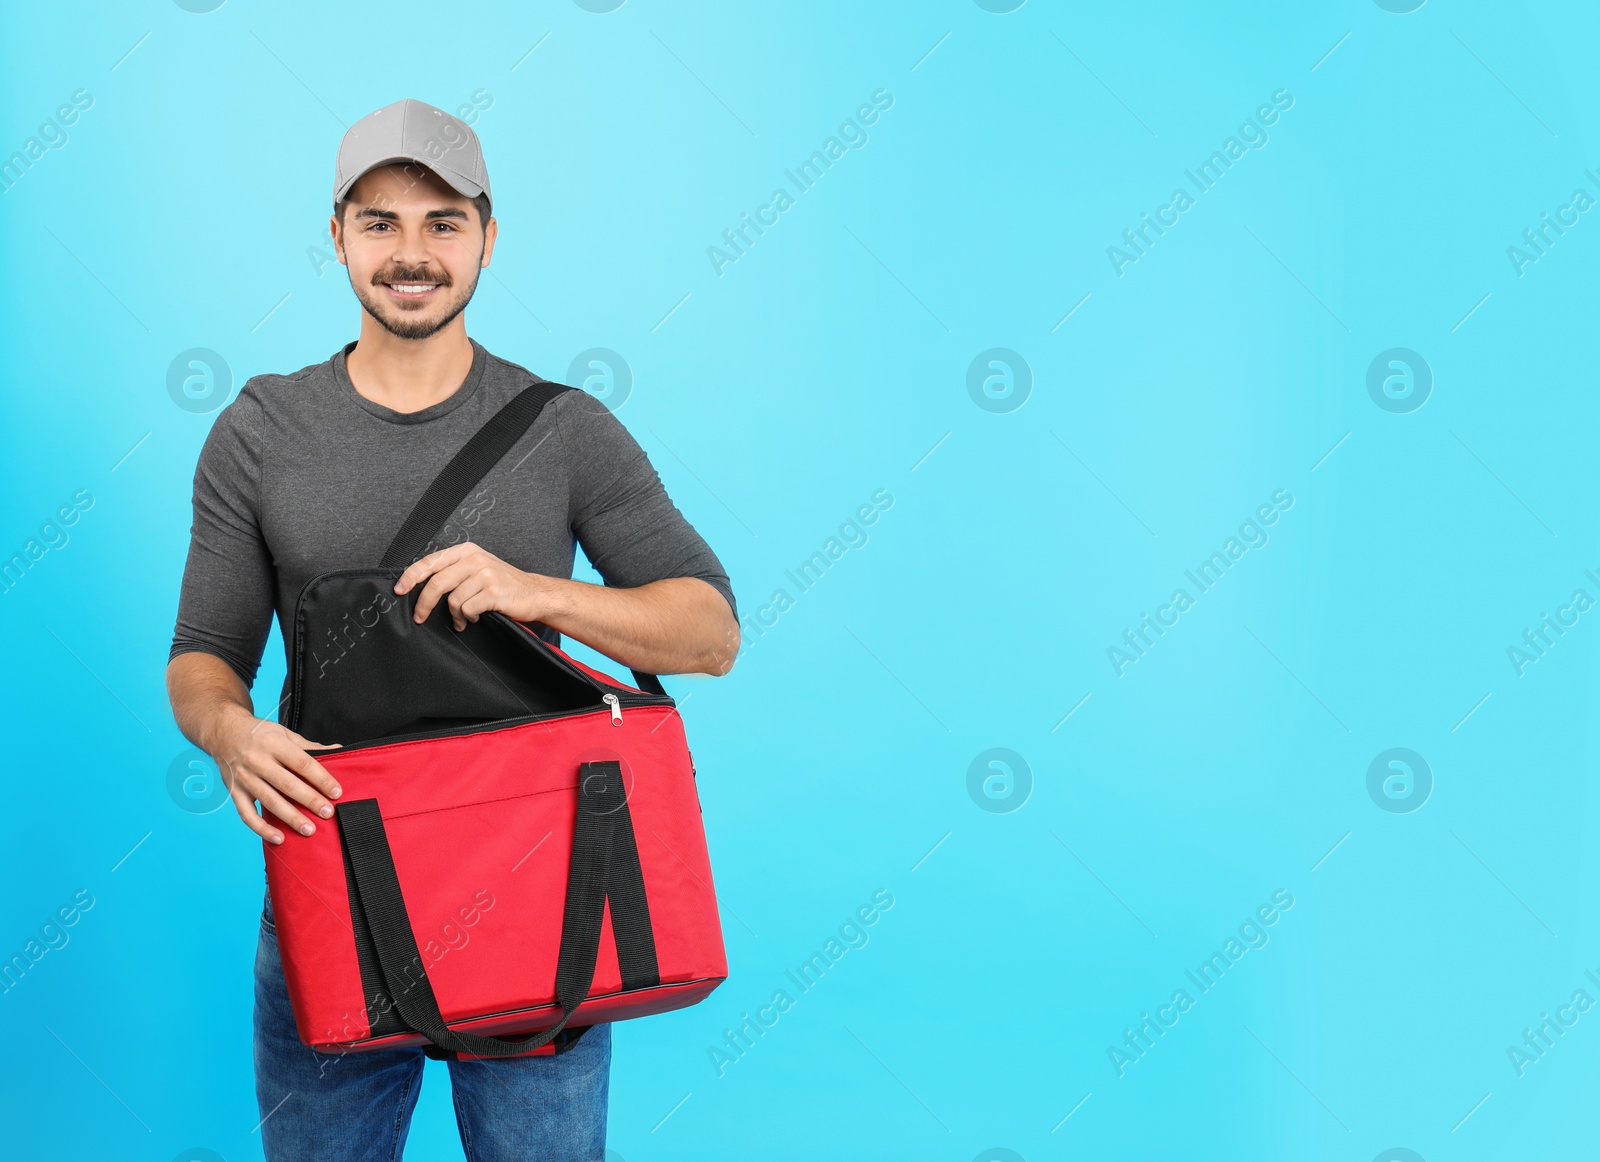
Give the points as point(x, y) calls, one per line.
point(712, 645)
point(725, 652)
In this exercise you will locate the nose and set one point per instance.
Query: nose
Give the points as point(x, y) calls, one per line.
point(410, 248)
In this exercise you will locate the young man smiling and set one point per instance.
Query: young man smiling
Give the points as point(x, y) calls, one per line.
point(314, 471)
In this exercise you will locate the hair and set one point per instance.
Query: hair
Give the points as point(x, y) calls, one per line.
point(481, 201)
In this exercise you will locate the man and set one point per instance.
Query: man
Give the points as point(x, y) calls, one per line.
point(316, 470)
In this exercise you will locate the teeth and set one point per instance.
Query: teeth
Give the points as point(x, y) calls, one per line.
point(412, 288)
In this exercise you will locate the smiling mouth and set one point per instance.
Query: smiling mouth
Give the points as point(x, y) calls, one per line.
point(412, 290)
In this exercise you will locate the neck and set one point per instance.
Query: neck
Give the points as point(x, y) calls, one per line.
point(407, 375)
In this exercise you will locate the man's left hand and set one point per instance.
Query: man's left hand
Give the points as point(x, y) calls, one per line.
point(476, 581)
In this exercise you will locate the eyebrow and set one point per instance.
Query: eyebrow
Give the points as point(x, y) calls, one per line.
point(391, 216)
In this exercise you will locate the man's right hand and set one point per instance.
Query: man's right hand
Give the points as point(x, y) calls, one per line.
point(268, 761)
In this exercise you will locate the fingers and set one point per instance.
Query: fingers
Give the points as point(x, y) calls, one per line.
point(438, 585)
point(247, 788)
point(245, 804)
point(273, 799)
point(315, 778)
point(288, 749)
point(305, 743)
point(289, 790)
point(432, 563)
point(275, 770)
point(471, 597)
point(419, 569)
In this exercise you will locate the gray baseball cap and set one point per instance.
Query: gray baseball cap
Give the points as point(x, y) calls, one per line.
point(412, 131)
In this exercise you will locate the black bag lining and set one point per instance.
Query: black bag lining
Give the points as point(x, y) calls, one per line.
point(365, 672)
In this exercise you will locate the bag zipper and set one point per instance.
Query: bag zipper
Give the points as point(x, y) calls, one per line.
point(483, 727)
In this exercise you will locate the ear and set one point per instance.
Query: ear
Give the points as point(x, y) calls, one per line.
point(490, 232)
point(337, 233)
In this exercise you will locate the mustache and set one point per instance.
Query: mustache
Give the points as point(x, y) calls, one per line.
point(400, 274)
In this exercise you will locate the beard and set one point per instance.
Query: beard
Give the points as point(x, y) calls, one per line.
point(414, 324)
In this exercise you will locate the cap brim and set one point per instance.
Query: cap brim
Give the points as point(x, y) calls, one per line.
point(462, 185)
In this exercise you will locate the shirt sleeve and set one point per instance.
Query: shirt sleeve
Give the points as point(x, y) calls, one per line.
point(619, 512)
point(226, 603)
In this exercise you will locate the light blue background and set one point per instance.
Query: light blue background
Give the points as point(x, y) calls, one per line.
point(825, 364)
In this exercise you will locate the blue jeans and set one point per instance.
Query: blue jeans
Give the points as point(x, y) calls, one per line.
point(356, 1107)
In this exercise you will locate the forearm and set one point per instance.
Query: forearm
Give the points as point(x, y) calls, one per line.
point(680, 625)
point(205, 693)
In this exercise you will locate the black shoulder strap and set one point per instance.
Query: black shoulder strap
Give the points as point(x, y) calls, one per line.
point(468, 466)
point(479, 454)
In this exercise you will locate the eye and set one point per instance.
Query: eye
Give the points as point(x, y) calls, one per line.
point(446, 225)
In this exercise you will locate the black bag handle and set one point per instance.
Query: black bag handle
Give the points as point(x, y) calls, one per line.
point(605, 866)
point(487, 446)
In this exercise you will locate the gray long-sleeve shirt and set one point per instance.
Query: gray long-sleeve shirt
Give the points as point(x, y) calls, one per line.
point(301, 474)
